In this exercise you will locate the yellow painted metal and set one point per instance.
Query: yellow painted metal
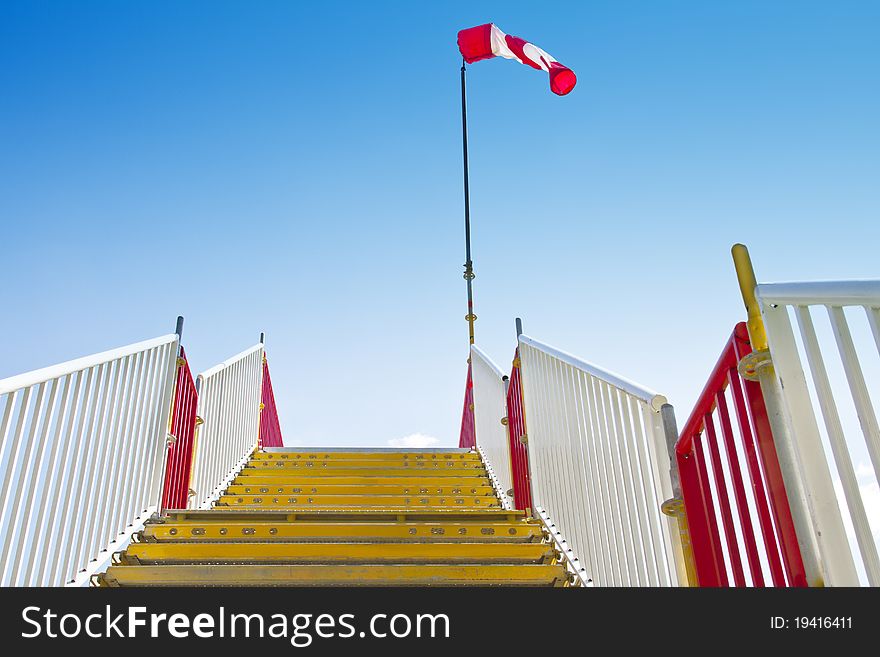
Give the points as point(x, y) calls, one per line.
point(336, 575)
point(347, 501)
point(302, 480)
point(379, 553)
point(221, 529)
point(331, 489)
point(745, 274)
point(345, 519)
point(355, 514)
point(375, 467)
point(391, 457)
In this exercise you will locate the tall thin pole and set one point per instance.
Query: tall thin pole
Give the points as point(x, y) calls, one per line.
point(468, 264)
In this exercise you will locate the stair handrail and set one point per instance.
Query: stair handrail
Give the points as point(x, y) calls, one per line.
point(81, 447)
point(597, 451)
point(490, 421)
point(229, 407)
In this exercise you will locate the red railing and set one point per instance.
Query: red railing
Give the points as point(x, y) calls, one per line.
point(270, 427)
point(468, 436)
point(516, 432)
point(175, 491)
point(755, 521)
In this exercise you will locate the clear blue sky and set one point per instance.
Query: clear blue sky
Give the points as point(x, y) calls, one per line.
point(296, 169)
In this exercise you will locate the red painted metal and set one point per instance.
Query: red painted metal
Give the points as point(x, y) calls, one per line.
point(516, 429)
point(707, 499)
point(175, 491)
point(270, 427)
point(468, 436)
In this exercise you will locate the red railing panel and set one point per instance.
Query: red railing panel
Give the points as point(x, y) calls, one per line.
point(270, 426)
point(516, 429)
point(720, 500)
point(175, 491)
point(468, 436)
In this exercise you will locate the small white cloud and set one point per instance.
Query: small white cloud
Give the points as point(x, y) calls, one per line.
point(414, 440)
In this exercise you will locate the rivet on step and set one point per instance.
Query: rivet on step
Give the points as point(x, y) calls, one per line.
point(281, 489)
point(274, 500)
point(223, 531)
point(413, 530)
point(291, 500)
point(424, 500)
point(273, 530)
point(314, 490)
point(476, 500)
point(457, 491)
point(258, 500)
point(240, 500)
point(247, 531)
point(512, 531)
point(462, 530)
point(438, 530)
point(264, 490)
point(198, 531)
point(458, 500)
point(172, 531)
point(488, 531)
point(423, 491)
point(311, 501)
point(247, 490)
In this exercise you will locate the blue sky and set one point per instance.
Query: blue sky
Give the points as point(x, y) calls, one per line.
point(295, 169)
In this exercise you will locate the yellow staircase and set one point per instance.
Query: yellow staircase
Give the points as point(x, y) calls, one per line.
point(346, 518)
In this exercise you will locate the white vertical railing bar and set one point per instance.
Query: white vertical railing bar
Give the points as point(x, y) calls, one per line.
point(832, 557)
point(834, 560)
point(856, 380)
point(593, 438)
point(837, 440)
point(490, 411)
point(229, 404)
point(65, 431)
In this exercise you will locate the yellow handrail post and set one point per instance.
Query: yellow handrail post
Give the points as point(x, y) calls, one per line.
point(745, 273)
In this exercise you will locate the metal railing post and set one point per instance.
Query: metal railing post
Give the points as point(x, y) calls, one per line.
point(758, 366)
point(674, 507)
point(533, 510)
point(169, 438)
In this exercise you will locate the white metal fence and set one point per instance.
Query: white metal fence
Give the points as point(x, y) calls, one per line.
point(600, 467)
point(229, 405)
point(827, 316)
point(490, 410)
point(82, 447)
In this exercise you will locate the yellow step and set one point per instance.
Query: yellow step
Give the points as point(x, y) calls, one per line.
point(258, 478)
point(368, 468)
point(377, 489)
point(364, 456)
point(220, 529)
point(335, 575)
point(353, 514)
point(345, 501)
point(470, 553)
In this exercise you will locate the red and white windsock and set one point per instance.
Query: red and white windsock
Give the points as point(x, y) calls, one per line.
point(487, 41)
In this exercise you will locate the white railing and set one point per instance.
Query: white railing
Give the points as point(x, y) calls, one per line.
point(821, 305)
point(600, 467)
point(229, 405)
point(82, 447)
point(490, 411)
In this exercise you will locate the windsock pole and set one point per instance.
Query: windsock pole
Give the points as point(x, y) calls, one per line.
point(468, 264)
